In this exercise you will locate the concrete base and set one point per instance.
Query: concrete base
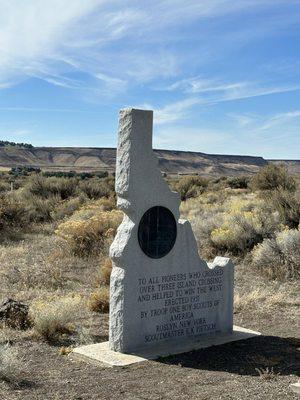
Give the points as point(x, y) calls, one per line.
point(100, 353)
point(295, 387)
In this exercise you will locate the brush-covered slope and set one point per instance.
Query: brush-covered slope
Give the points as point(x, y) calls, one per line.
point(91, 159)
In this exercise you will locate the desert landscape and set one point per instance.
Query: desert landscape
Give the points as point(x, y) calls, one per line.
point(104, 159)
point(149, 200)
point(55, 235)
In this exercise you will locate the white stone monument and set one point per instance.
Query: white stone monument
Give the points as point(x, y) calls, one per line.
point(164, 299)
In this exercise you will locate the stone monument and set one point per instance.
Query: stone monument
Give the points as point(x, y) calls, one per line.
point(164, 298)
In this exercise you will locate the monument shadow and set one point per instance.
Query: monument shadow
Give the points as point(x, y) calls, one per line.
point(252, 356)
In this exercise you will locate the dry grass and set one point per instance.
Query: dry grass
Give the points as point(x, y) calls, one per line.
point(31, 264)
point(105, 271)
point(99, 300)
point(55, 318)
point(64, 351)
point(267, 374)
point(11, 364)
point(48, 271)
point(10, 335)
point(267, 298)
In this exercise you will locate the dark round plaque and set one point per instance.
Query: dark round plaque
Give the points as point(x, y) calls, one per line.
point(157, 232)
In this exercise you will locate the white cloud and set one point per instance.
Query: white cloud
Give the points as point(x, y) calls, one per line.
point(174, 111)
point(266, 134)
point(254, 134)
point(171, 112)
point(243, 119)
point(279, 119)
point(199, 85)
point(215, 91)
point(121, 41)
point(178, 110)
point(255, 91)
point(50, 39)
point(260, 125)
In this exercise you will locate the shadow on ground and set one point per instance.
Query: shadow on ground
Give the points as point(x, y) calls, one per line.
point(258, 355)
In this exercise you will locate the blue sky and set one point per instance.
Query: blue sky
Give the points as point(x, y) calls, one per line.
point(222, 76)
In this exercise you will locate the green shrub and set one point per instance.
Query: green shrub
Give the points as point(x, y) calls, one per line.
point(4, 186)
point(272, 177)
point(102, 174)
point(97, 188)
point(279, 257)
point(67, 207)
point(219, 179)
point(190, 186)
point(39, 210)
point(19, 209)
point(73, 174)
point(6, 143)
point(12, 212)
point(238, 182)
point(47, 187)
point(287, 204)
point(24, 171)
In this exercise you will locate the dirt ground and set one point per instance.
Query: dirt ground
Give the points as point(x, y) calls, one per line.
point(260, 368)
point(257, 368)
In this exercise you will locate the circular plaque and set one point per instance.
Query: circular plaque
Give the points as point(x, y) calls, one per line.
point(157, 232)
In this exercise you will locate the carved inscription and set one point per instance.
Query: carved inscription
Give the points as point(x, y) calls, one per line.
point(180, 304)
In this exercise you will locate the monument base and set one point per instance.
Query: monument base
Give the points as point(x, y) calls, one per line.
point(100, 353)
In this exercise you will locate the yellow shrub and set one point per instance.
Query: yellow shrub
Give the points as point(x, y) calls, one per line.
point(103, 204)
point(221, 234)
point(244, 224)
point(90, 232)
point(230, 223)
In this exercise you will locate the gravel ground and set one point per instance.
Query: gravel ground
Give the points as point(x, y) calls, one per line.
point(259, 368)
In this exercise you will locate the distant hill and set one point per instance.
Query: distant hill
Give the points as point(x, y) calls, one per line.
point(94, 159)
point(6, 143)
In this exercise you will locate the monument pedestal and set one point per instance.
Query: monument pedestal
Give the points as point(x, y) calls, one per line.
point(164, 298)
point(101, 354)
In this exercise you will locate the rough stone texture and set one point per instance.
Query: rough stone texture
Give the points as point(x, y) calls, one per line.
point(177, 298)
point(101, 353)
point(14, 314)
